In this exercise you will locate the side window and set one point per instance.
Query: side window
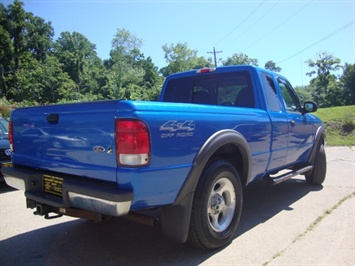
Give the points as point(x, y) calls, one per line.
point(272, 99)
point(291, 101)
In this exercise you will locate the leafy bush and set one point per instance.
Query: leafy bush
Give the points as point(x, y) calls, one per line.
point(349, 123)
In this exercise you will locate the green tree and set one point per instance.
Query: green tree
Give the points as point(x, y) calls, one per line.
point(39, 37)
point(6, 51)
point(151, 75)
point(271, 65)
point(130, 75)
point(348, 83)
point(325, 80)
point(305, 93)
point(335, 95)
point(79, 59)
point(43, 82)
point(23, 37)
point(152, 82)
point(240, 59)
point(17, 24)
point(124, 41)
point(181, 58)
point(29, 33)
point(124, 64)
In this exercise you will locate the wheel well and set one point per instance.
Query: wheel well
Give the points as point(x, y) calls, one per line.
point(228, 145)
point(231, 153)
point(320, 138)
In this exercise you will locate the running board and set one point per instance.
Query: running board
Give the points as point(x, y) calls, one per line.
point(276, 180)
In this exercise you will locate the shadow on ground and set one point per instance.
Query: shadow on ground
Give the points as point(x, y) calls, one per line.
point(123, 242)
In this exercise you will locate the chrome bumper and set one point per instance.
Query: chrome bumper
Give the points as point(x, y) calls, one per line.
point(99, 205)
point(77, 192)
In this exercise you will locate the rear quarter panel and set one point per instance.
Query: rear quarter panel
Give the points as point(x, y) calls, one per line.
point(178, 132)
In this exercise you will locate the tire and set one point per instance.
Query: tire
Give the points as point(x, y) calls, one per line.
point(317, 176)
point(216, 207)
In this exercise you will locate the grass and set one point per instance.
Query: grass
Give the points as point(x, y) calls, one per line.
point(340, 125)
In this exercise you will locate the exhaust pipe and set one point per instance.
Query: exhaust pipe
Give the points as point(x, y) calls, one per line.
point(143, 219)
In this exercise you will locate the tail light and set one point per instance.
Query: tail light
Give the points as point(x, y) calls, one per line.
point(206, 70)
point(11, 136)
point(132, 143)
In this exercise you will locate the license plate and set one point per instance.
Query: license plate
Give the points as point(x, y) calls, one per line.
point(53, 185)
point(3, 165)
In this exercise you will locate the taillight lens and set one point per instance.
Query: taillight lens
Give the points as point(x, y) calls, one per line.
point(132, 143)
point(206, 70)
point(11, 136)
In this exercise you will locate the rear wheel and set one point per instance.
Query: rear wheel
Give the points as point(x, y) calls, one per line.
point(317, 176)
point(216, 207)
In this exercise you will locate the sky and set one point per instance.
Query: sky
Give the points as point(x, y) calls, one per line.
point(288, 32)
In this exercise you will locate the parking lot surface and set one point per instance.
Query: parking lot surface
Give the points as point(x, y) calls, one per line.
point(288, 224)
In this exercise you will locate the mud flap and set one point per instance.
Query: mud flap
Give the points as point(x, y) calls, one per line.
point(175, 219)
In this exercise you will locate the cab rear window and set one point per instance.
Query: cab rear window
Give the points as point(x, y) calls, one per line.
point(229, 89)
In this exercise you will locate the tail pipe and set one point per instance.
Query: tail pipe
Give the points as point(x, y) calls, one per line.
point(143, 219)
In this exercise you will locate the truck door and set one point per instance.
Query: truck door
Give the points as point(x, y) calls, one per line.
point(300, 130)
point(279, 123)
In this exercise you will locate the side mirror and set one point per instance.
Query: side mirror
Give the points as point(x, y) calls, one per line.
point(309, 107)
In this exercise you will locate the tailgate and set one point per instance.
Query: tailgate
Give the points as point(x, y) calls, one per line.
point(74, 139)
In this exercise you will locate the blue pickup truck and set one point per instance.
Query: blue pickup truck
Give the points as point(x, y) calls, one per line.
point(180, 163)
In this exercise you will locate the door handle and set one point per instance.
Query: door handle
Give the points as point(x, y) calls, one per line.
point(293, 123)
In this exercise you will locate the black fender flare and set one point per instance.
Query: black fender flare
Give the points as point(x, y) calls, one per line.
point(318, 140)
point(176, 217)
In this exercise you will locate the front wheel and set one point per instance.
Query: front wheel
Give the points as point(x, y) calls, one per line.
point(217, 206)
point(317, 176)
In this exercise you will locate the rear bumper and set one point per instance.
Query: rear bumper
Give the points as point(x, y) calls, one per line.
point(77, 192)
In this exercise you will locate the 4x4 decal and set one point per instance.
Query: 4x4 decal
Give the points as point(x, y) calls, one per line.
point(178, 128)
